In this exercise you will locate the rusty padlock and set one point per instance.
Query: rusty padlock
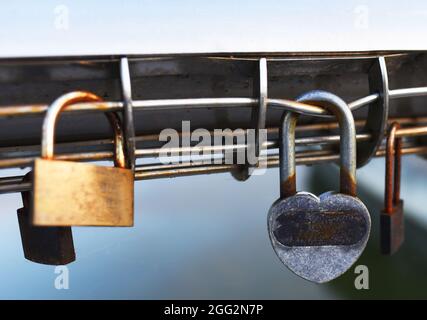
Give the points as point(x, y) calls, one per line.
point(67, 193)
point(319, 238)
point(392, 221)
point(45, 245)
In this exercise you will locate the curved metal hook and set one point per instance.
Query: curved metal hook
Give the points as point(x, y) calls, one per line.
point(61, 103)
point(343, 113)
point(129, 128)
point(259, 115)
point(376, 123)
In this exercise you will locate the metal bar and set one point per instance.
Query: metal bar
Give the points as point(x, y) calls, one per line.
point(147, 172)
point(356, 104)
point(37, 109)
point(156, 152)
point(408, 92)
point(34, 150)
point(33, 153)
point(128, 123)
point(86, 156)
point(411, 132)
point(272, 161)
point(170, 104)
point(15, 187)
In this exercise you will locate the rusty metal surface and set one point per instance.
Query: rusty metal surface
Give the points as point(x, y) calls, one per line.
point(319, 238)
point(340, 109)
point(392, 229)
point(319, 228)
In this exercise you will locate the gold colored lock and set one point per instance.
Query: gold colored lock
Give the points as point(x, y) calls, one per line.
point(79, 194)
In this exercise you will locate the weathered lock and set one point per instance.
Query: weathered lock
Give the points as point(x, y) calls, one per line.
point(46, 245)
point(319, 238)
point(392, 232)
point(77, 194)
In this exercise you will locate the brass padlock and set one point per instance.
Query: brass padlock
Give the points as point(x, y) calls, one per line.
point(46, 245)
point(78, 194)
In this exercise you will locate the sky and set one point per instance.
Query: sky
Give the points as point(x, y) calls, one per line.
point(58, 28)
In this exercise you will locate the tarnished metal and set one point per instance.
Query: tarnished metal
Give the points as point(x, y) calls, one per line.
point(392, 219)
point(347, 140)
point(259, 115)
point(327, 227)
point(376, 120)
point(327, 252)
point(76, 194)
point(45, 245)
point(319, 238)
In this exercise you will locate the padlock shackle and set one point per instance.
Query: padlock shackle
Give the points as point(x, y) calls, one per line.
point(340, 109)
point(61, 103)
point(393, 168)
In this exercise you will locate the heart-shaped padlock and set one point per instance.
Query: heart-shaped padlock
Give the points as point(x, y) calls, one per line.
point(319, 238)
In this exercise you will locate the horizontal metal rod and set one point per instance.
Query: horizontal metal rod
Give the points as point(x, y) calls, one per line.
point(272, 161)
point(156, 171)
point(84, 156)
point(168, 104)
point(32, 152)
point(15, 186)
point(407, 92)
point(156, 152)
point(159, 166)
point(412, 132)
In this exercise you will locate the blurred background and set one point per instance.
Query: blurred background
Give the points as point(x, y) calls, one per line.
point(205, 237)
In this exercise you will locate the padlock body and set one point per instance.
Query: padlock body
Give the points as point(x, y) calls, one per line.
point(392, 229)
point(319, 238)
point(45, 245)
point(79, 194)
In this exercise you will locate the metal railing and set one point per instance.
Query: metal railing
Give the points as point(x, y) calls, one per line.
point(179, 169)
